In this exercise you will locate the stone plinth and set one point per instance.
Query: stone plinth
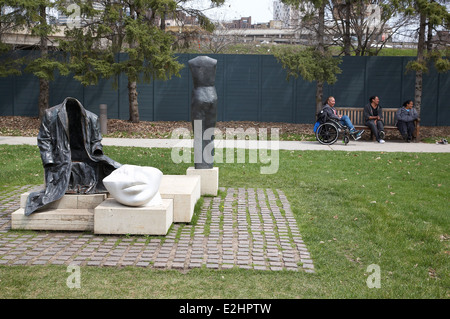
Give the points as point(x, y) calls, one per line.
point(185, 191)
point(111, 217)
point(104, 215)
point(70, 201)
point(209, 179)
point(70, 213)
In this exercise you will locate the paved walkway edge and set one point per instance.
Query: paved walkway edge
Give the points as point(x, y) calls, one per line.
point(390, 146)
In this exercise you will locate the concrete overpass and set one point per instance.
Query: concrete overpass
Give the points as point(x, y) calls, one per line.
point(288, 36)
point(23, 38)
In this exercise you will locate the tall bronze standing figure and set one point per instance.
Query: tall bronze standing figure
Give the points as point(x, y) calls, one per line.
point(203, 110)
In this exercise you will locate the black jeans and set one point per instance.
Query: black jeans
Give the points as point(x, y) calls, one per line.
point(375, 128)
point(406, 129)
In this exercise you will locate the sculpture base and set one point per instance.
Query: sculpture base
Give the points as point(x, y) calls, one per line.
point(70, 201)
point(88, 212)
point(70, 213)
point(111, 217)
point(209, 179)
point(184, 191)
point(55, 220)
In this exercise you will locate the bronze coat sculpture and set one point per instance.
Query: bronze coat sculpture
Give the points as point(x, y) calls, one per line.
point(69, 141)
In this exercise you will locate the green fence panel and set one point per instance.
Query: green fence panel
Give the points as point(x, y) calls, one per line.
point(443, 101)
point(249, 88)
point(242, 91)
point(277, 95)
point(350, 88)
point(7, 96)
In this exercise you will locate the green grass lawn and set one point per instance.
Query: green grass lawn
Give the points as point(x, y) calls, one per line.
point(354, 209)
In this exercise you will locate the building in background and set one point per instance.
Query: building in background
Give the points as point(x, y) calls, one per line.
point(242, 23)
point(289, 16)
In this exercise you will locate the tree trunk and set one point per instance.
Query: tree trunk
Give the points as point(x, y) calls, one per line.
point(43, 96)
point(418, 91)
point(321, 49)
point(429, 34)
point(319, 96)
point(133, 101)
point(163, 19)
point(43, 83)
point(420, 59)
point(132, 85)
point(346, 36)
point(429, 37)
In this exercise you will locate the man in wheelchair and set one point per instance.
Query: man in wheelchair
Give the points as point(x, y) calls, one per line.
point(330, 124)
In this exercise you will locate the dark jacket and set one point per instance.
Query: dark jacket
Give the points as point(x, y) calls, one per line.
point(368, 111)
point(60, 143)
point(406, 116)
point(329, 111)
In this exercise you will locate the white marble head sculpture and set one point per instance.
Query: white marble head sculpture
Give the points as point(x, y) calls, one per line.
point(133, 185)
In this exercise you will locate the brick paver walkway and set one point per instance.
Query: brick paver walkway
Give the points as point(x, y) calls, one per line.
point(245, 228)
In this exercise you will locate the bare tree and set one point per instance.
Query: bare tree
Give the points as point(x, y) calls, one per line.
point(363, 27)
point(221, 39)
point(315, 63)
point(431, 13)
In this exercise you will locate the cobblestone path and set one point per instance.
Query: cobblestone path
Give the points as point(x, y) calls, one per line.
point(246, 228)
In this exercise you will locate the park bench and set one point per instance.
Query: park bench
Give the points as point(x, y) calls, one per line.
point(356, 116)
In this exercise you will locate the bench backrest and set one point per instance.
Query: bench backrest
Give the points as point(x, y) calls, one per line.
point(356, 115)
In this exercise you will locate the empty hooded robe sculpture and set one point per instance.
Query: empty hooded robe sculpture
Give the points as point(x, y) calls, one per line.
point(69, 141)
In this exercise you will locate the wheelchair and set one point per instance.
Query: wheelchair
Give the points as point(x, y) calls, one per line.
point(328, 133)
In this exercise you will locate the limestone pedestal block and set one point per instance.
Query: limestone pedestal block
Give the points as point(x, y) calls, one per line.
point(111, 217)
point(70, 213)
point(184, 191)
point(70, 201)
point(209, 179)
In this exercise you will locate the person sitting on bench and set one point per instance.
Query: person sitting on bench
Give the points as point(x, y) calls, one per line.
point(405, 118)
point(373, 118)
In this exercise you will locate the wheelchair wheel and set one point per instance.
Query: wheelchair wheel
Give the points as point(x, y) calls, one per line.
point(346, 140)
point(327, 133)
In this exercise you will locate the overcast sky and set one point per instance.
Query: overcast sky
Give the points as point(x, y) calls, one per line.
point(259, 10)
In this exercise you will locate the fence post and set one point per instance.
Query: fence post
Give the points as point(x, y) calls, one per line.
point(103, 119)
